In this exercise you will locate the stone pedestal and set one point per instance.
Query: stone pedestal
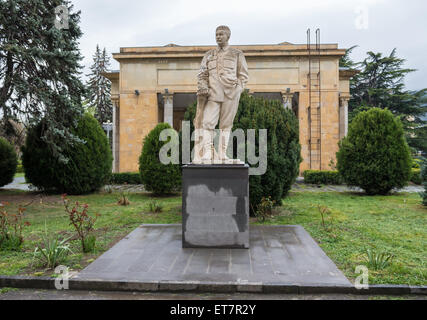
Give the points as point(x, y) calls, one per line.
point(215, 206)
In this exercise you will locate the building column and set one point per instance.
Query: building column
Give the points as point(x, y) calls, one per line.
point(287, 99)
point(343, 112)
point(116, 123)
point(168, 108)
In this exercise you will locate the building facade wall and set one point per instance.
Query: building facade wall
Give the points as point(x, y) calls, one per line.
point(151, 73)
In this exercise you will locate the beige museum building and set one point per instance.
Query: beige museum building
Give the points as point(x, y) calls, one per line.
point(156, 84)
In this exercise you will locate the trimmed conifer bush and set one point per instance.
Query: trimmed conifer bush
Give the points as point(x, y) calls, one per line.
point(157, 177)
point(88, 167)
point(8, 162)
point(375, 156)
point(283, 148)
point(125, 178)
point(322, 177)
point(416, 176)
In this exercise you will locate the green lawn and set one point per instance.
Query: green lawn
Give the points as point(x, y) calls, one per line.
point(395, 224)
point(114, 223)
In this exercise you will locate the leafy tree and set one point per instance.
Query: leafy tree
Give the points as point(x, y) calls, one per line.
point(14, 133)
point(99, 87)
point(380, 84)
point(424, 182)
point(374, 155)
point(39, 69)
point(8, 162)
point(418, 139)
point(346, 61)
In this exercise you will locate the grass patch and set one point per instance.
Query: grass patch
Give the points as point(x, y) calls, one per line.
point(352, 224)
point(114, 223)
point(394, 224)
point(6, 290)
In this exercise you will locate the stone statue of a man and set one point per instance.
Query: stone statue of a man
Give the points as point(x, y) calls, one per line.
point(222, 77)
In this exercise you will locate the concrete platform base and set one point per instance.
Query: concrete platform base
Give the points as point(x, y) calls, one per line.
point(278, 256)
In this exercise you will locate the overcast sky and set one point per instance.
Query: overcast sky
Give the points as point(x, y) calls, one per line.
point(373, 25)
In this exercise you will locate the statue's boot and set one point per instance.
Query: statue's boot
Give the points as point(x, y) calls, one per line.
point(224, 137)
point(207, 139)
point(198, 146)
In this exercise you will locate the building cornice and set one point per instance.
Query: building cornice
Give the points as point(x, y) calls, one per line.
point(347, 73)
point(249, 51)
point(113, 75)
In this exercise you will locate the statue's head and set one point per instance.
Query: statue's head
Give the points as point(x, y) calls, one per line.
point(222, 35)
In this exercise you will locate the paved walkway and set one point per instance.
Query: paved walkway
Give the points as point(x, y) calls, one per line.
point(279, 255)
point(19, 184)
point(40, 294)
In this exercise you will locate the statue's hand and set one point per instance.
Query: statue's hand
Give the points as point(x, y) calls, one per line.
point(203, 92)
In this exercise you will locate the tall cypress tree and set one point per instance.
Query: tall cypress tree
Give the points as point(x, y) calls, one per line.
point(99, 87)
point(39, 68)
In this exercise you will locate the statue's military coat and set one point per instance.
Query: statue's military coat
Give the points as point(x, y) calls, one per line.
point(225, 72)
